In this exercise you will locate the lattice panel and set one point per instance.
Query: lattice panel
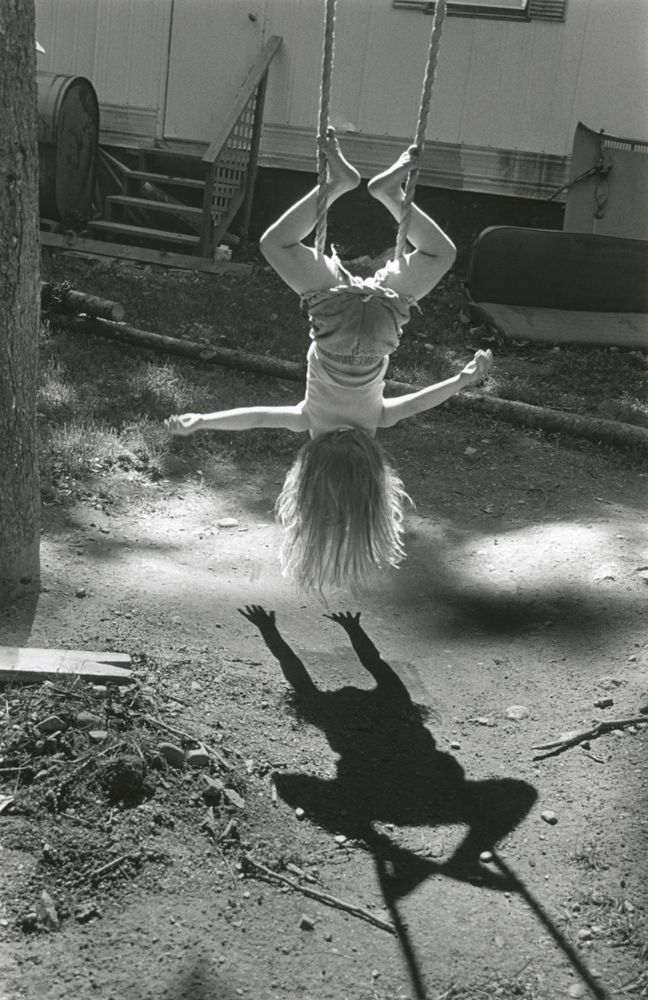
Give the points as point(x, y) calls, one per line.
point(232, 165)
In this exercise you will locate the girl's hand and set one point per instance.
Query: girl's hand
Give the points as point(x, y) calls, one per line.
point(183, 424)
point(479, 367)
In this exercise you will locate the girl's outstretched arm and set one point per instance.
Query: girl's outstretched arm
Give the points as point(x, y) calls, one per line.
point(400, 407)
point(242, 419)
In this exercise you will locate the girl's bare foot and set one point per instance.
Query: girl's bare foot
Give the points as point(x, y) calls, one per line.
point(342, 176)
point(388, 185)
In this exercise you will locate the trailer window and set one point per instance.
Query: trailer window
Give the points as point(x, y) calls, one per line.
point(509, 10)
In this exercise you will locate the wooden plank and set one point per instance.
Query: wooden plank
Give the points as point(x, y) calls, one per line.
point(150, 234)
point(566, 326)
point(29, 664)
point(247, 88)
point(147, 204)
point(149, 175)
point(99, 248)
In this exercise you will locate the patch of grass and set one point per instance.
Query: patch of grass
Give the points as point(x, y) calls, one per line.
point(77, 450)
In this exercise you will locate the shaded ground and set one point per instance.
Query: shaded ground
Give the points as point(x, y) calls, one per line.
point(520, 607)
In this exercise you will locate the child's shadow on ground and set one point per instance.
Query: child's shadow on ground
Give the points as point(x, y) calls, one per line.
point(389, 770)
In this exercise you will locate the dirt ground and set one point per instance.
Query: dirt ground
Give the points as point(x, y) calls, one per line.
point(518, 616)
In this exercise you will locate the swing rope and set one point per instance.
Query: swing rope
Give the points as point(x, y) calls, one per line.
point(325, 104)
point(419, 138)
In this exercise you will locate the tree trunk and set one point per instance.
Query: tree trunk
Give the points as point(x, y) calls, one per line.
point(19, 303)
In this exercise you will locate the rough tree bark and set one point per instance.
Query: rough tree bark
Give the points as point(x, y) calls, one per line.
point(19, 303)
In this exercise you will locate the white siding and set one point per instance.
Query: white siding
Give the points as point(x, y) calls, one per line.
point(511, 85)
point(213, 45)
point(507, 97)
point(120, 46)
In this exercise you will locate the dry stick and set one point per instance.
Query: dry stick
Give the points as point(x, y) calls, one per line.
point(573, 739)
point(322, 897)
point(189, 738)
point(610, 432)
point(98, 872)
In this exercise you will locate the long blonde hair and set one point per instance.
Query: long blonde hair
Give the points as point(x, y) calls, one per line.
point(341, 508)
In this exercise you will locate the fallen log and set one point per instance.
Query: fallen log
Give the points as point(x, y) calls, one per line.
point(608, 432)
point(55, 296)
point(261, 364)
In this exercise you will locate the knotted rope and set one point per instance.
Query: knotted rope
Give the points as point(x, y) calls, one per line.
point(325, 103)
point(424, 111)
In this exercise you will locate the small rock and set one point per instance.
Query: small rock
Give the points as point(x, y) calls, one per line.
point(609, 683)
point(486, 857)
point(549, 817)
point(577, 990)
point(52, 724)
point(585, 934)
point(157, 762)
point(97, 735)
point(340, 839)
point(605, 572)
point(604, 703)
point(517, 712)
point(299, 813)
point(470, 452)
point(234, 798)
point(228, 522)
point(455, 745)
point(29, 922)
point(46, 911)
point(198, 758)
point(306, 923)
point(172, 754)
point(86, 912)
point(81, 592)
point(213, 789)
point(87, 720)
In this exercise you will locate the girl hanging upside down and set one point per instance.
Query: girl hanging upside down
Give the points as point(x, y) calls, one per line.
point(341, 505)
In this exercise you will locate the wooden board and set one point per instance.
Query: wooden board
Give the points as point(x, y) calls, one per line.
point(99, 248)
point(21, 664)
point(565, 326)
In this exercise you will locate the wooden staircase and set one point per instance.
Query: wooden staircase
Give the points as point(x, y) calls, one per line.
point(159, 206)
point(173, 206)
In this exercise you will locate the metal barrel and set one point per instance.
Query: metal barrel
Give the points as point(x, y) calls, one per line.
point(68, 134)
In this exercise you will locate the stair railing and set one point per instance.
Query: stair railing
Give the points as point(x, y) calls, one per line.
point(232, 157)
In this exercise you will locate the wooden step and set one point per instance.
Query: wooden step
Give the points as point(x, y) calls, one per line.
point(148, 205)
point(149, 175)
point(139, 232)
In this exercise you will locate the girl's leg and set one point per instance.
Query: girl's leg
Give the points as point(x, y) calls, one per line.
point(434, 252)
point(300, 266)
